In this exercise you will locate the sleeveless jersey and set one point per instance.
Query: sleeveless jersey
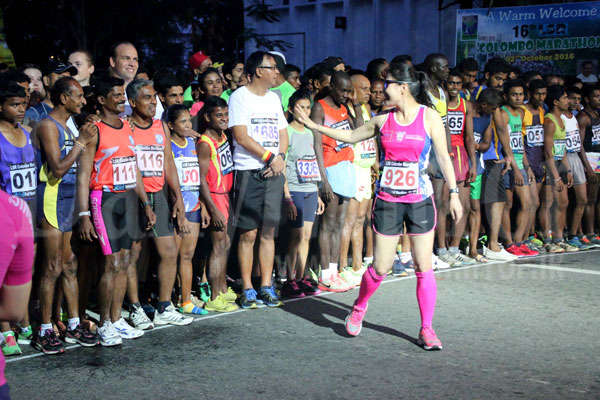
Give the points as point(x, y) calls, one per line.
point(66, 140)
point(149, 151)
point(456, 123)
point(114, 163)
point(335, 151)
point(364, 152)
point(480, 124)
point(515, 131)
point(441, 104)
point(533, 128)
point(573, 140)
point(219, 177)
point(591, 142)
point(18, 172)
point(188, 170)
point(560, 134)
point(405, 150)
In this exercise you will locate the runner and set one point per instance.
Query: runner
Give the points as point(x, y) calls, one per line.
point(339, 182)
point(155, 161)
point(495, 73)
point(216, 175)
point(84, 62)
point(302, 202)
point(589, 129)
point(377, 68)
point(403, 191)
point(170, 92)
point(109, 184)
point(59, 151)
point(377, 98)
point(232, 72)
point(260, 141)
point(283, 89)
point(468, 69)
point(292, 75)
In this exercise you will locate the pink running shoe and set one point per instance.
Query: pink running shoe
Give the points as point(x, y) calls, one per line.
point(428, 339)
point(354, 320)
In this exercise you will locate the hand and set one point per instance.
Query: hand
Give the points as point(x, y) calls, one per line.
point(191, 133)
point(86, 229)
point(326, 192)
point(472, 174)
point(92, 118)
point(302, 117)
point(592, 177)
point(290, 209)
point(519, 181)
point(455, 208)
point(531, 175)
point(559, 185)
point(150, 217)
point(131, 123)
point(182, 223)
point(277, 165)
point(205, 216)
point(506, 166)
point(569, 180)
point(87, 132)
point(321, 206)
point(352, 96)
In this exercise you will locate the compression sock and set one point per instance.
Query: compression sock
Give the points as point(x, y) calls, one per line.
point(162, 305)
point(426, 296)
point(369, 284)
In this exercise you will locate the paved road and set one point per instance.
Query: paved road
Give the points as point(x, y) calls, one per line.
point(522, 330)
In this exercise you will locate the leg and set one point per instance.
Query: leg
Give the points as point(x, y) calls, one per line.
point(441, 196)
point(52, 268)
point(589, 215)
point(506, 228)
point(69, 277)
point(494, 215)
point(337, 230)
point(167, 266)
point(581, 201)
point(347, 230)
point(246, 255)
point(266, 254)
point(326, 227)
point(357, 234)
point(132, 275)
point(546, 201)
point(459, 226)
point(303, 249)
point(522, 221)
point(106, 287)
point(475, 226)
point(186, 254)
point(120, 284)
point(218, 262)
point(295, 240)
point(369, 235)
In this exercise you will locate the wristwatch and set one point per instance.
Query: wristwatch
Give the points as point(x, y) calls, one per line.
point(455, 190)
point(282, 156)
point(143, 204)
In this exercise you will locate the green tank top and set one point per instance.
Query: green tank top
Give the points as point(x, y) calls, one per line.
point(364, 152)
point(560, 139)
point(515, 131)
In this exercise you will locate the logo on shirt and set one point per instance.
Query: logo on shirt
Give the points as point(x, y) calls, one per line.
point(131, 140)
point(159, 139)
point(400, 136)
point(343, 115)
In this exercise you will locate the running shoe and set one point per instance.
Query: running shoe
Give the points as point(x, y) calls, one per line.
point(109, 335)
point(567, 247)
point(532, 246)
point(536, 241)
point(553, 248)
point(515, 250)
point(307, 287)
point(463, 258)
point(352, 277)
point(595, 240)
point(139, 319)
point(579, 244)
point(47, 342)
point(428, 339)
point(196, 301)
point(25, 337)
point(501, 255)
point(82, 336)
point(191, 308)
point(205, 292)
point(220, 304)
point(229, 296)
point(398, 268)
point(10, 347)
point(292, 290)
point(587, 241)
point(268, 297)
point(354, 320)
point(436, 263)
point(450, 260)
point(526, 251)
point(171, 317)
point(127, 331)
point(248, 299)
point(334, 284)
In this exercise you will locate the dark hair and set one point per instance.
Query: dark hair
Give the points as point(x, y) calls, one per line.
point(456, 72)
point(374, 66)
point(555, 92)
point(588, 91)
point(113, 48)
point(279, 63)
point(375, 81)
point(255, 60)
point(338, 77)
point(211, 103)
point(537, 84)
point(289, 69)
point(516, 70)
point(430, 59)
point(573, 89)
point(298, 95)
point(10, 89)
point(203, 76)
point(468, 64)
point(490, 96)
point(23, 67)
point(402, 58)
point(587, 62)
point(530, 76)
point(511, 83)
point(104, 84)
point(14, 76)
point(62, 85)
point(572, 80)
point(166, 82)
point(417, 81)
point(321, 71)
point(175, 111)
point(497, 65)
point(228, 68)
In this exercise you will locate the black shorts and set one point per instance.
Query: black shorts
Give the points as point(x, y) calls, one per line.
point(164, 222)
point(492, 183)
point(115, 217)
point(388, 217)
point(562, 172)
point(257, 200)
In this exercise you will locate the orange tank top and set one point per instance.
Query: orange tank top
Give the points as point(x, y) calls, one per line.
point(150, 152)
point(335, 151)
point(114, 162)
point(220, 171)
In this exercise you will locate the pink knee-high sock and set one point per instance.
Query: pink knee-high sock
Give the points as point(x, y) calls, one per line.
point(369, 284)
point(426, 296)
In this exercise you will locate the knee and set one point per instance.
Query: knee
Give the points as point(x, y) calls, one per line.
point(170, 252)
point(53, 269)
point(267, 234)
point(248, 238)
point(70, 266)
point(581, 201)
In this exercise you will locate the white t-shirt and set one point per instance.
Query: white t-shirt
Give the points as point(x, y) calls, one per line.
point(263, 117)
point(157, 114)
point(588, 79)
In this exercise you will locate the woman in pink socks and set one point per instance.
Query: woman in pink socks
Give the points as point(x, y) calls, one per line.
point(404, 191)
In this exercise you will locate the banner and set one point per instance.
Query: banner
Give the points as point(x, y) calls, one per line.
point(6, 55)
point(554, 38)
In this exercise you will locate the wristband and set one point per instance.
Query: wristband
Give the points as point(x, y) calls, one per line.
point(270, 159)
point(525, 166)
point(266, 156)
point(282, 156)
point(85, 213)
point(80, 145)
point(557, 179)
point(569, 171)
point(455, 190)
point(145, 203)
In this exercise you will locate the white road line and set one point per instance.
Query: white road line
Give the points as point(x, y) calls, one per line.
point(439, 271)
point(557, 268)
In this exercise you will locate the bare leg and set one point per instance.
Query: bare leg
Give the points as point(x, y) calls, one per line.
point(347, 230)
point(186, 250)
point(52, 268)
point(266, 254)
point(167, 267)
point(218, 262)
point(246, 255)
point(357, 235)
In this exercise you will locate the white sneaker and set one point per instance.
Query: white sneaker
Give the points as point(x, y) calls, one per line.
point(127, 331)
point(171, 316)
point(352, 277)
point(109, 335)
point(464, 259)
point(335, 284)
point(501, 255)
point(450, 260)
point(139, 319)
point(438, 264)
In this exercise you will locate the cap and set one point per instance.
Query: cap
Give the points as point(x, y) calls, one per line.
point(197, 59)
point(58, 67)
point(276, 53)
point(332, 61)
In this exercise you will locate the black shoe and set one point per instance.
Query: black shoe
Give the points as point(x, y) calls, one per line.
point(82, 336)
point(47, 342)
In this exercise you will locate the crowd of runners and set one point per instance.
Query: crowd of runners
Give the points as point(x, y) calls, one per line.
point(172, 199)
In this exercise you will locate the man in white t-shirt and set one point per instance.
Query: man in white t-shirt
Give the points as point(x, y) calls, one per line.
point(587, 72)
point(260, 141)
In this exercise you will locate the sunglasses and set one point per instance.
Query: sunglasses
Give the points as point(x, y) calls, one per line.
point(272, 68)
